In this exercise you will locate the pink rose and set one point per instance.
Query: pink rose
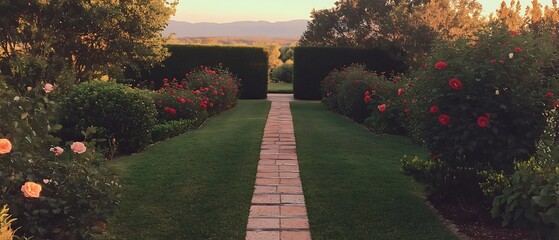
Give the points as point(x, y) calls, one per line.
point(78, 147)
point(57, 151)
point(48, 87)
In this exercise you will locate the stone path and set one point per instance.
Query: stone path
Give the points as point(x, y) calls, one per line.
point(278, 209)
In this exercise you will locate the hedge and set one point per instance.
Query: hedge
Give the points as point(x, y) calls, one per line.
point(248, 63)
point(312, 65)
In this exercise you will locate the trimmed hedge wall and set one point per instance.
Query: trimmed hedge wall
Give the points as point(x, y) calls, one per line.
point(312, 65)
point(248, 63)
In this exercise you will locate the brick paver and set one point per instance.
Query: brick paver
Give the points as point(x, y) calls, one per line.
point(278, 209)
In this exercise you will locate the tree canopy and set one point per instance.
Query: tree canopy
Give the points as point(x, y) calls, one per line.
point(89, 37)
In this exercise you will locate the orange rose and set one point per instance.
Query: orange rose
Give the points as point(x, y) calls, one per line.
point(5, 146)
point(31, 190)
point(78, 147)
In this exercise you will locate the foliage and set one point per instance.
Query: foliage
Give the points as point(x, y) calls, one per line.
point(531, 197)
point(406, 25)
point(217, 87)
point(169, 129)
point(78, 192)
point(92, 38)
point(6, 230)
point(283, 73)
point(286, 54)
point(312, 65)
point(479, 104)
point(367, 97)
point(116, 111)
point(250, 64)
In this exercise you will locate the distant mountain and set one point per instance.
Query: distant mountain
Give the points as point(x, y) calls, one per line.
point(289, 29)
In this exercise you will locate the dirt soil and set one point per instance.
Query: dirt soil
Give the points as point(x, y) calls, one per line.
point(470, 225)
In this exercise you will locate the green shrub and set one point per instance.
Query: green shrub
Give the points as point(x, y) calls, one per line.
point(312, 65)
point(283, 73)
point(78, 192)
point(250, 64)
point(171, 129)
point(116, 110)
point(480, 103)
point(530, 197)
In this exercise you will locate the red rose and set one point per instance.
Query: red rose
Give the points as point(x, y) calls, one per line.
point(440, 65)
point(367, 98)
point(172, 111)
point(514, 33)
point(382, 107)
point(555, 104)
point(166, 85)
point(455, 84)
point(517, 49)
point(434, 109)
point(483, 121)
point(182, 100)
point(444, 119)
point(549, 95)
point(400, 91)
point(407, 110)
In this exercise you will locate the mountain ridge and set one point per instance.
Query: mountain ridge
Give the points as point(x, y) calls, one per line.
point(282, 29)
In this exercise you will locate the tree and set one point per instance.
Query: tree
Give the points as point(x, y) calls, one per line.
point(510, 15)
point(91, 37)
point(452, 19)
point(406, 26)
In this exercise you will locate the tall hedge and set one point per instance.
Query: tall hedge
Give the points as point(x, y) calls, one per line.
point(312, 65)
point(248, 63)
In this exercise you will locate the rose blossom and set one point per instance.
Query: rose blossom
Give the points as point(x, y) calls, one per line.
point(31, 190)
point(400, 91)
point(367, 98)
point(434, 109)
point(382, 107)
point(57, 151)
point(48, 87)
point(483, 121)
point(78, 147)
point(444, 119)
point(455, 84)
point(440, 65)
point(5, 146)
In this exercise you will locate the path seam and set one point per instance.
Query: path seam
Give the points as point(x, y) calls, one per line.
point(278, 210)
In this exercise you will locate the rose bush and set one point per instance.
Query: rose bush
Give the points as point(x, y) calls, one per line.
point(478, 105)
point(54, 194)
point(375, 99)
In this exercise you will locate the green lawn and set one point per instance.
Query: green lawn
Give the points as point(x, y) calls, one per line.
point(280, 87)
point(195, 186)
point(353, 185)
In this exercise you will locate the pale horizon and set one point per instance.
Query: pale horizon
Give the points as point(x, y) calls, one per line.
point(227, 11)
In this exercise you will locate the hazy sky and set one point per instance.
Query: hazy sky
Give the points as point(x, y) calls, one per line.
point(223, 11)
